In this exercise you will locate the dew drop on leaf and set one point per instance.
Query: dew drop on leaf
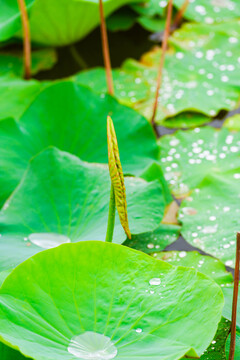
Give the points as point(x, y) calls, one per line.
point(155, 281)
point(48, 240)
point(92, 346)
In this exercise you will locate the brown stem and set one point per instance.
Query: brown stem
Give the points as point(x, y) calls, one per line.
point(26, 39)
point(162, 60)
point(180, 14)
point(235, 300)
point(105, 47)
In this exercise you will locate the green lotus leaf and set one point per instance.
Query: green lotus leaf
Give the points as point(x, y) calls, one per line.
point(187, 157)
point(216, 350)
point(123, 19)
point(12, 63)
point(232, 123)
point(150, 8)
point(62, 199)
point(217, 271)
point(8, 353)
point(156, 240)
point(202, 263)
point(227, 312)
point(237, 347)
point(50, 26)
point(186, 120)
point(21, 93)
point(95, 299)
point(10, 19)
point(201, 73)
point(210, 11)
point(210, 217)
point(73, 119)
point(152, 24)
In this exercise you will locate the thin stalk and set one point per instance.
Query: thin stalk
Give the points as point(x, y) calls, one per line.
point(77, 57)
point(180, 14)
point(162, 60)
point(26, 39)
point(235, 301)
point(111, 216)
point(105, 48)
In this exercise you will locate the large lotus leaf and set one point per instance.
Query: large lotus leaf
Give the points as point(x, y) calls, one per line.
point(188, 156)
point(60, 194)
point(73, 119)
point(127, 87)
point(210, 217)
point(201, 73)
point(10, 19)
point(95, 296)
point(21, 93)
point(217, 271)
point(203, 263)
point(12, 63)
point(59, 23)
point(210, 11)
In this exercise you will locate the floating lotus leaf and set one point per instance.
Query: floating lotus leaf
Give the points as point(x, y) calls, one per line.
point(62, 199)
point(232, 123)
point(210, 11)
point(201, 73)
point(188, 156)
point(205, 264)
point(156, 240)
point(12, 63)
point(21, 93)
point(123, 19)
point(95, 297)
point(150, 8)
point(73, 119)
point(210, 216)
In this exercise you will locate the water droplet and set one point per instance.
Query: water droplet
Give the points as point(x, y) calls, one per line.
point(155, 281)
point(92, 346)
point(48, 240)
point(138, 330)
point(182, 254)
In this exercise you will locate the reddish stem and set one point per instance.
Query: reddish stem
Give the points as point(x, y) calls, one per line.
point(180, 14)
point(162, 60)
point(235, 301)
point(105, 47)
point(26, 39)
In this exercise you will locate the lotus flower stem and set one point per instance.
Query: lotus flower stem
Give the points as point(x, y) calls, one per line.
point(235, 301)
point(162, 60)
point(26, 39)
point(111, 216)
point(118, 192)
point(105, 48)
point(180, 14)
